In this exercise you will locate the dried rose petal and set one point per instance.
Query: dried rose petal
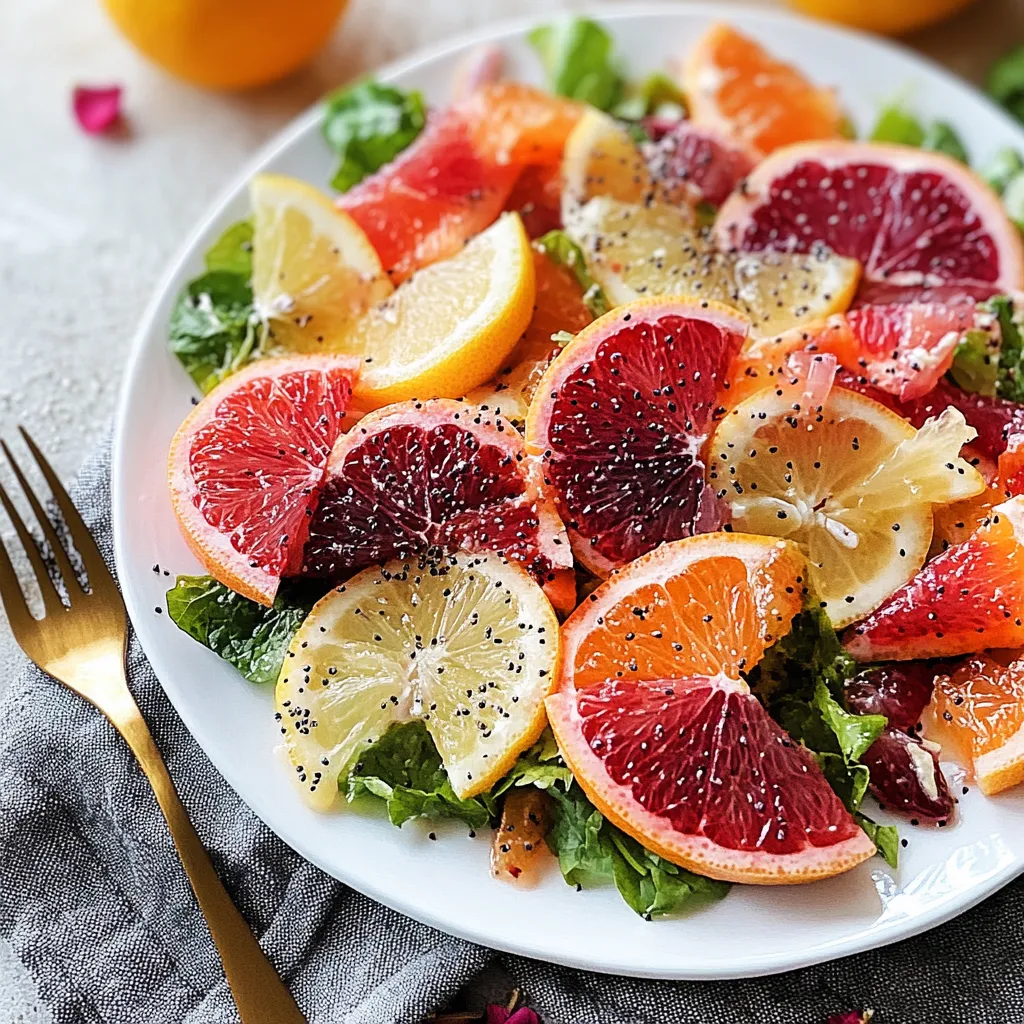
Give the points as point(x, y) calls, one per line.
point(96, 108)
point(501, 1015)
point(853, 1017)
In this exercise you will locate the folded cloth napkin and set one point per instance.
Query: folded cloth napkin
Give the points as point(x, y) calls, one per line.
point(94, 903)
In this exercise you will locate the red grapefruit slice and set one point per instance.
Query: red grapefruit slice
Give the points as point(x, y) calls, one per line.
point(619, 420)
point(665, 738)
point(245, 467)
point(913, 218)
point(424, 205)
point(968, 598)
point(438, 474)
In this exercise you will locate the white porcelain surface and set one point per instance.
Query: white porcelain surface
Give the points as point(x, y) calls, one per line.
point(446, 883)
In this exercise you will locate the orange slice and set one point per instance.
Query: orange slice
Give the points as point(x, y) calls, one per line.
point(662, 733)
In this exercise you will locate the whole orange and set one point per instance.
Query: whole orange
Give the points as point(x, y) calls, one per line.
point(890, 17)
point(227, 44)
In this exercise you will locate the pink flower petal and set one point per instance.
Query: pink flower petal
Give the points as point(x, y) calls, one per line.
point(96, 108)
point(852, 1017)
point(524, 1015)
point(497, 1014)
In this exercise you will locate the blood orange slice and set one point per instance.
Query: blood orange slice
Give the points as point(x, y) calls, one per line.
point(733, 84)
point(662, 733)
point(911, 217)
point(691, 163)
point(437, 194)
point(245, 468)
point(620, 418)
point(978, 712)
point(968, 598)
point(438, 474)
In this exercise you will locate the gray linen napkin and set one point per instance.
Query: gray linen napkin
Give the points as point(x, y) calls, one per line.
point(94, 902)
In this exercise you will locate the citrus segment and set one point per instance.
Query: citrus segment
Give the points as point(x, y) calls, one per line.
point(655, 249)
point(692, 163)
point(513, 123)
point(424, 205)
point(601, 159)
point(537, 198)
point(466, 643)
point(734, 84)
point(904, 767)
point(245, 467)
point(911, 217)
point(850, 482)
point(313, 269)
point(558, 306)
point(653, 717)
point(619, 421)
point(451, 326)
point(978, 712)
point(968, 598)
point(438, 474)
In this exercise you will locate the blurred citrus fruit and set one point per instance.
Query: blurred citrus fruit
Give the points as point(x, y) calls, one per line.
point(226, 44)
point(882, 15)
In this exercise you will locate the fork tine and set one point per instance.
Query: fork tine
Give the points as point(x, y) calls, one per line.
point(12, 596)
point(56, 545)
point(95, 568)
point(51, 599)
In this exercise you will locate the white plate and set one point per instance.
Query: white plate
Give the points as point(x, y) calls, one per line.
point(446, 883)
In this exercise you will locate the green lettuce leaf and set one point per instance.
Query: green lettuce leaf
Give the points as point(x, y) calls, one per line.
point(940, 137)
point(801, 679)
point(232, 252)
point(250, 636)
point(895, 124)
point(976, 362)
point(579, 58)
point(540, 766)
point(1013, 200)
point(885, 837)
point(1002, 168)
point(561, 249)
point(213, 329)
point(368, 124)
point(656, 94)
point(590, 850)
point(403, 768)
point(1010, 375)
point(1005, 83)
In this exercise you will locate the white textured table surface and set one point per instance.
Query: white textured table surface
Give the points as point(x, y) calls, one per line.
point(87, 224)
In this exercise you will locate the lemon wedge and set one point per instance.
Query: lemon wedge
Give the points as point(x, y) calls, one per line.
point(314, 271)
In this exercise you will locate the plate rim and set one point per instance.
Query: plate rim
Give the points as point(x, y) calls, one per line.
point(754, 966)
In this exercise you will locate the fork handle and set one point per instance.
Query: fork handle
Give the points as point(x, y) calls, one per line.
point(260, 995)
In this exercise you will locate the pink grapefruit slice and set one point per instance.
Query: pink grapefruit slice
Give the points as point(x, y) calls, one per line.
point(245, 468)
point(911, 217)
point(662, 733)
point(441, 475)
point(619, 420)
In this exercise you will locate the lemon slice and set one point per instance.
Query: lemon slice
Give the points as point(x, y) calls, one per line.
point(313, 269)
point(600, 158)
point(467, 643)
point(449, 327)
point(634, 250)
point(852, 483)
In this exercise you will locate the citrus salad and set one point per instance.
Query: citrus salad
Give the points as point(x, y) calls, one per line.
point(631, 468)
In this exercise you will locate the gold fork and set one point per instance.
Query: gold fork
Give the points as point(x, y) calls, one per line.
point(82, 644)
